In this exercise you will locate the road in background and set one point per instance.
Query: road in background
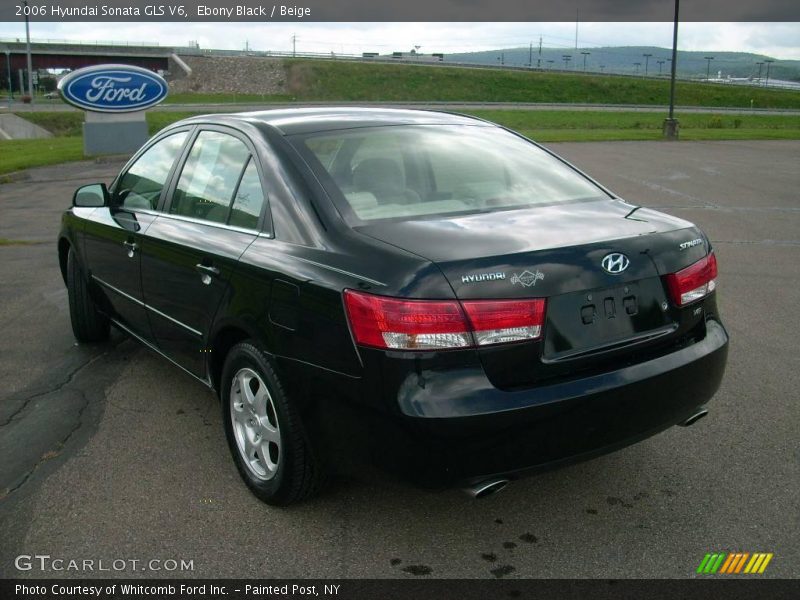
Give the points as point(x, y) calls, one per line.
point(110, 452)
point(59, 106)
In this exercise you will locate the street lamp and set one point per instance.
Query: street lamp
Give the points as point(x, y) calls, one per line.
point(646, 62)
point(585, 54)
point(28, 49)
point(566, 58)
point(769, 61)
point(637, 65)
point(671, 123)
point(708, 66)
point(660, 64)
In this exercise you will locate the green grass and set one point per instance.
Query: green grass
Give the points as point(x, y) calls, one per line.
point(16, 155)
point(332, 81)
point(7, 242)
point(540, 125)
point(192, 98)
point(563, 126)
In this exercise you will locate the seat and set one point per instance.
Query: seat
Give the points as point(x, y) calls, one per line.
point(383, 178)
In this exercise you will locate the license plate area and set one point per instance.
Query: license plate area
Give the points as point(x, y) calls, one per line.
point(583, 322)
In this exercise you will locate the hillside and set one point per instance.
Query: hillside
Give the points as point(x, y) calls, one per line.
point(311, 80)
point(621, 60)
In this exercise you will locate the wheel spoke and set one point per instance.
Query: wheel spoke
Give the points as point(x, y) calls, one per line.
point(244, 386)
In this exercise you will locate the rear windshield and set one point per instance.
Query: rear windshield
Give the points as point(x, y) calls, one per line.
point(405, 172)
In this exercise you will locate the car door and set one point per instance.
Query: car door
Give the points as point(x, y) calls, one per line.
point(214, 211)
point(113, 234)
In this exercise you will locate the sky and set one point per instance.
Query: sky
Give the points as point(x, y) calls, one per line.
point(779, 40)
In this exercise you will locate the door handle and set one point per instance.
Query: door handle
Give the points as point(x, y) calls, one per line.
point(132, 247)
point(206, 272)
point(208, 269)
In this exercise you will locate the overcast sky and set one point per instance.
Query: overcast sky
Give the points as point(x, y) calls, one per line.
point(780, 40)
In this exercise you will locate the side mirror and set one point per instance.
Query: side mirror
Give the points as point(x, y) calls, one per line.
point(91, 196)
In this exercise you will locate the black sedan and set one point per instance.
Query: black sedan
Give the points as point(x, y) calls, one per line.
point(429, 290)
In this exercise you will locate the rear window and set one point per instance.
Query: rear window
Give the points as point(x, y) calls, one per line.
point(398, 172)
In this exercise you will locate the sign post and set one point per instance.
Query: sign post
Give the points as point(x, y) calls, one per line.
point(115, 98)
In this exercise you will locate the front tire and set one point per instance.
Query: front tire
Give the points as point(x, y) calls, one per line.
point(88, 325)
point(264, 431)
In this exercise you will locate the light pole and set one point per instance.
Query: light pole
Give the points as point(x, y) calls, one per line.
point(671, 123)
point(646, 62)
point(637, 65)
point(28, 50)
point(550, 64)
point(660, 64)
point(567, 58)
point(585, 54)
point(708, 66)
point(8, 76)
point(769, 61)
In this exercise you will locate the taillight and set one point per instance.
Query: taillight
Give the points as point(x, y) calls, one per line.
point(393, 323)
point(502, 321)
point(694, 282)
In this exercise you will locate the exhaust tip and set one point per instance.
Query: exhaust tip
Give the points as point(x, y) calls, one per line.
point(487, 487)
point(701, 412)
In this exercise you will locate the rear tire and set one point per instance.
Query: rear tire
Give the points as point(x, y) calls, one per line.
point(88, 325)
point(264, 432)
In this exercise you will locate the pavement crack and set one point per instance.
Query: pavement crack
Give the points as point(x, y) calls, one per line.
point(57, 387)
point(50, 454)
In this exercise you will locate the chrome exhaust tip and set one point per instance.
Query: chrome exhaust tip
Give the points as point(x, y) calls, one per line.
point(486, 487)
point(701, 412)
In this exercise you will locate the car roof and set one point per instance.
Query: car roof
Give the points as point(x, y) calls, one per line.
point(289, 121)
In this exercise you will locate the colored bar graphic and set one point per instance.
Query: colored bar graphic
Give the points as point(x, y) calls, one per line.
point(703, 563)
point(734, 563)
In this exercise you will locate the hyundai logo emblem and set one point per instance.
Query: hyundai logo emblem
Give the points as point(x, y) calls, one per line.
point(615, 263)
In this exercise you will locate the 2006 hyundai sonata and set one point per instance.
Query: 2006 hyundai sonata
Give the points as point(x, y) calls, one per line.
point(472, 304)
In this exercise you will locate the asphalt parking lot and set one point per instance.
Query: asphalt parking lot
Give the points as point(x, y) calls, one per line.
point(109, 452)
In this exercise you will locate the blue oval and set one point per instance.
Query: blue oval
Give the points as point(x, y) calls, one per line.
point(113, 88)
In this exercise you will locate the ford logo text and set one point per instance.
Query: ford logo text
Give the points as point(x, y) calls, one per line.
point(113, 88)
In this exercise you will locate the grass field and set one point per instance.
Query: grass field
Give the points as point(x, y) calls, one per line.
point(332, 80)
point(540, 125)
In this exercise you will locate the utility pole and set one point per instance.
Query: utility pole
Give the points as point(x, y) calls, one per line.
point(530, 56)
point(646, 62)
point(585, 54)
point(769, 61)
point(294, 45)
point(539, 60)
point(577, 18)
point(28, 50)
point(671, 123)
point(708, 66)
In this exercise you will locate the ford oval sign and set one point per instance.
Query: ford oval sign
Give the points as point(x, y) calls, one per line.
point(113, 88)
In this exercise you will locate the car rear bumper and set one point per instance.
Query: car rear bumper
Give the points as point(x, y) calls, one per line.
point(456, 426)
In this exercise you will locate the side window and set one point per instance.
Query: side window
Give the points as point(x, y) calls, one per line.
point(140, 187)
point(209, 177)
point(249, 199)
